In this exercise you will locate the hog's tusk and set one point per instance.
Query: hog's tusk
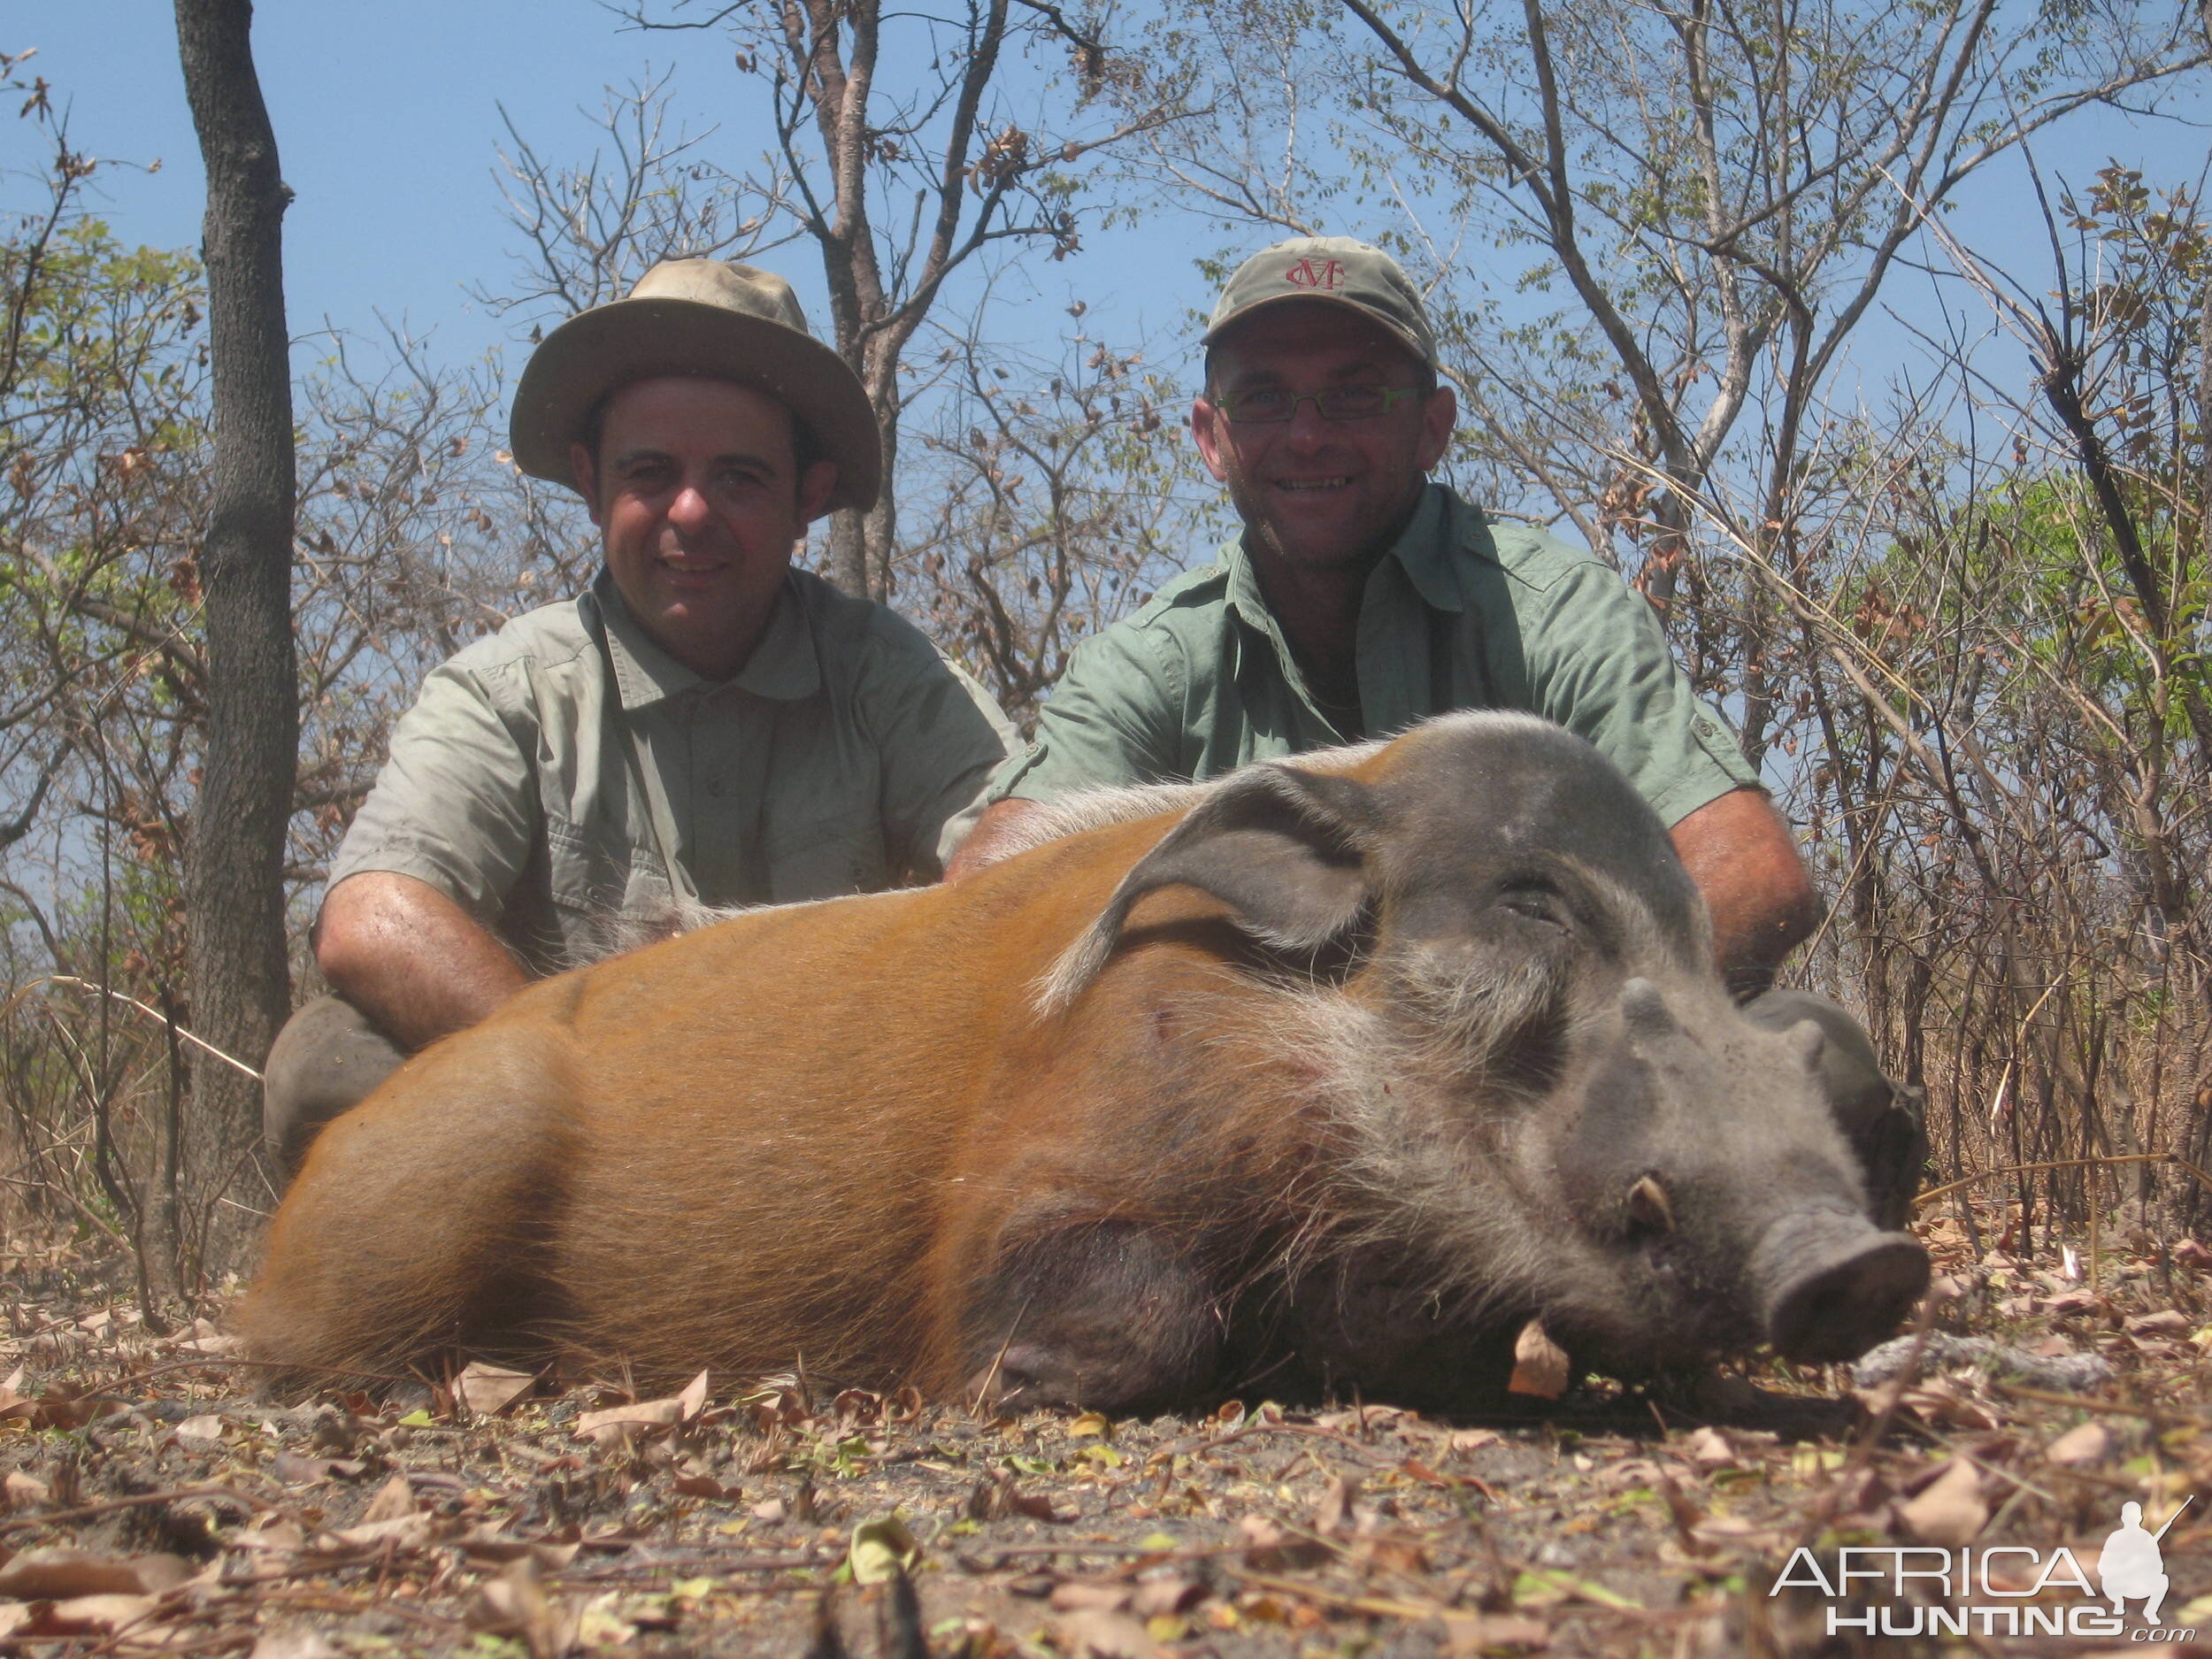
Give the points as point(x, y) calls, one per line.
point(1648, 1202)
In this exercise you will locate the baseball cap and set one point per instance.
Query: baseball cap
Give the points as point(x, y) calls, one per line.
point(1336, 270)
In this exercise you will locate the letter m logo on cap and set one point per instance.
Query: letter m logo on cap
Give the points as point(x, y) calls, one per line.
point(1323, 275)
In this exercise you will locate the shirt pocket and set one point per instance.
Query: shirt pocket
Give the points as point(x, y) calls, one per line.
point(826, 856)
point(606, 893)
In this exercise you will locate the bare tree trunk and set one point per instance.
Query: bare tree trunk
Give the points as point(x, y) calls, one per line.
point(240, 991)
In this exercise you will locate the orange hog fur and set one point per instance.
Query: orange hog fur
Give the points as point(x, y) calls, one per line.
point(793, 1133)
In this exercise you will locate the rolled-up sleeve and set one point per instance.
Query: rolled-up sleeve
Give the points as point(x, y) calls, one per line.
point(1116, 718)
point(455, 804)
point(941, 735)
point(1598, 663)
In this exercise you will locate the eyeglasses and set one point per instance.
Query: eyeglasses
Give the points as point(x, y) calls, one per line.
point(1272, 405)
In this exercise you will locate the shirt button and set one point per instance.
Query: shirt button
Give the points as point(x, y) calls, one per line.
point(715, 788)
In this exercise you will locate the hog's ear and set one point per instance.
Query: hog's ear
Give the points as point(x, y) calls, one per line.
point(1284, 849)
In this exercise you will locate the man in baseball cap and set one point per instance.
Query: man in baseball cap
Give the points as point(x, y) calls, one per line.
point(1360, 598)
point(705, 725)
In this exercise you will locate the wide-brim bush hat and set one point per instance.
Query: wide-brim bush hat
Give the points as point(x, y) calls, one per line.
point(713, 319)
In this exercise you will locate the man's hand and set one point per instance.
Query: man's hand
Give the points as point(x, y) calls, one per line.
point(1743, 859)
point(411, 958)
point(990, 840)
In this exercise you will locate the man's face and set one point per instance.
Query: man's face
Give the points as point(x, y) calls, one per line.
point(699, 501)
point(1321, 493)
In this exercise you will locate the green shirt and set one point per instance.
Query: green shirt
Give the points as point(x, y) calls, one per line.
point(1460, 614)
point(567, 771)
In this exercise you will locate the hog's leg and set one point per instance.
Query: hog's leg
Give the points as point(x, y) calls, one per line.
point(417, 1222)
point(1102, 1313)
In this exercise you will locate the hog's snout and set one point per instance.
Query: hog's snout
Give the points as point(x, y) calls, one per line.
point(1829, 1285)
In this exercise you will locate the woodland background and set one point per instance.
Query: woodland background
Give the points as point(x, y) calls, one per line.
point(1929, 526)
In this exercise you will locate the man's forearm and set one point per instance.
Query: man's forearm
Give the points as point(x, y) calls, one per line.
point(1741, 854)
point(996, 835)
point(412, 959)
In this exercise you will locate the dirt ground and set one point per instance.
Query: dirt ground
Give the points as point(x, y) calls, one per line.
point(151, 1504)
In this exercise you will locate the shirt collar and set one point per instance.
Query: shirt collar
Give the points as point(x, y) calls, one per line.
point(1420, 550)
point(783, 666)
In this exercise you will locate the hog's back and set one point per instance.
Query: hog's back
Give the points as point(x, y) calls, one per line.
point(738, 1146)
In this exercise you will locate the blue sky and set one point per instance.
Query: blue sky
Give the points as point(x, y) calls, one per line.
point(388, 118)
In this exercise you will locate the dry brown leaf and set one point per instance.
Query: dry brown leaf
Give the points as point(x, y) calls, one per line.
point(1268, 1548)
point(287, 1538)
point(1950, 1509)
point(1495, 1632)
point(1734, 1530)
point(403, 1532)
point(1166, 1593)
point(487, 1390)
point(21, 1491)
point(103, 1615)
point(1708, 1449)
point(208, 1427)
point(2167, 1322)
point(160, 1572)
point(98, 1616)
point(1333, 1513)
point(1076, 1595)
point(516, 1604)
point(611, 1424)
point(293, 1641)
point(1360, 1419)
point(1097, 1633)
point(56, 1572)
point(1539, 1364)
point(692, 1399)
point(2079, 1447)
point(1629, 1472)
point(488, 1543)
point(395, 1498)
point(1941, 1401)
point(1033, 1506)
point(705, 1486)
point(1473, 1439)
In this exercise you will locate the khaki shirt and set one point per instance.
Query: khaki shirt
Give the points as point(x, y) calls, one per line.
point(1460, 614)
point(566, 772)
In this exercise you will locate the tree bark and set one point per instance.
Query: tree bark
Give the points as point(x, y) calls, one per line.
point(241, 988)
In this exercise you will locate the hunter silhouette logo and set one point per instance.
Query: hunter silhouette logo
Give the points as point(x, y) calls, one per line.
point(1994, 1589)
point(2131, 1565)
point(1323, 276)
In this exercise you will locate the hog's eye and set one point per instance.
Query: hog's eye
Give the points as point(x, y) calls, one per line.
point(1536, 899)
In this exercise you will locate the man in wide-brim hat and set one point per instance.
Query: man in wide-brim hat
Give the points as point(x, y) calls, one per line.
point(705, 725)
